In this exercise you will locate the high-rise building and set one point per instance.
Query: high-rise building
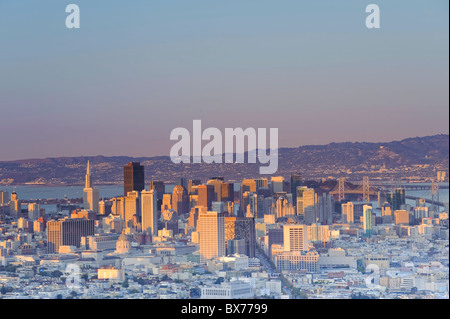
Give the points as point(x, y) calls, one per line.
point(275, 236)
point(217, 183)
point(368, 220)
point(183, 182)
point(261, 182)
point(283, 208)
point(396, 198)
point(401, 217)
point(325, 209)
point(191, 184)
point(149, 212)
point(133, 177)
point(247, 185)
point(34, 211)
point(4, 197)
point(105, 207)
point(179, 200)
point(420, 212)
point(159, 187)
point(295, 238)
point(90, 193)
point(241, 228)
point(277, 184)
point(227, 192)
point(15, 205)
point(348, 215)
point(212, 235)
point(319, 233)
point(386, 209)
point(132, 207)
point(306, 197)
point(296, 181)
point(205, 195)
point(118, 206)
point(67, 232)
point(193, 216)
point(251, 205)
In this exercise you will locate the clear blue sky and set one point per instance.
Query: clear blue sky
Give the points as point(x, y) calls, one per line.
point(135, 70)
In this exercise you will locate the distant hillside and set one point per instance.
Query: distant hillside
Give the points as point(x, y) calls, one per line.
point(313, 161)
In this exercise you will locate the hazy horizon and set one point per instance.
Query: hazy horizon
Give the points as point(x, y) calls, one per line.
point(164, 155)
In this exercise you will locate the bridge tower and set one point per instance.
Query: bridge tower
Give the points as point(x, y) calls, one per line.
point(341, 187)
point(435, 196)
point(366, 189)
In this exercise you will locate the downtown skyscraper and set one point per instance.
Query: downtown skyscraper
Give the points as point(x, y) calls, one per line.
point(90, 193)
point(133, 178)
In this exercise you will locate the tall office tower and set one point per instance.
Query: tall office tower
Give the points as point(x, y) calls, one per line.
point(260, 207)
point(367, 220)
point(283, 208)
point(268, 206)
point(264, 192)
point(386, 209)
point(325, 209)
point(212, 235)
point(90, 193)
point(15, 205)
point(4, 197)
point(105, 207)
point(296, 181)
point(159, 187)
point(319, 233)
point(261, 182)
point(277, 184)
point(295, 238)
point(205, 195)
point(241, 228)
point(67, 232)
point(311, 214)
point(193, 201)
point(250, 203)
point(118, 206)
point(420, 212)
point(228, 192)
point(166, 202)
point(182, 181)
point(34, 211)
point(348, 214)
point(191, 184)
point(133, 178)
point(401, 217)
point(306, 197)
point(217, 184)
point(193, 216)
point(149, 212)
point(247, 185)
point(396, 198)
point(275, 236)
point(179, 200)
point(132, 207)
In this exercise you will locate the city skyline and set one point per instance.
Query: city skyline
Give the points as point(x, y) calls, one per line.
point(134, 73)
point(216, 151)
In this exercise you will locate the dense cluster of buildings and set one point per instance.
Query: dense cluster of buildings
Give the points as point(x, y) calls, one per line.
point(261, 238)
